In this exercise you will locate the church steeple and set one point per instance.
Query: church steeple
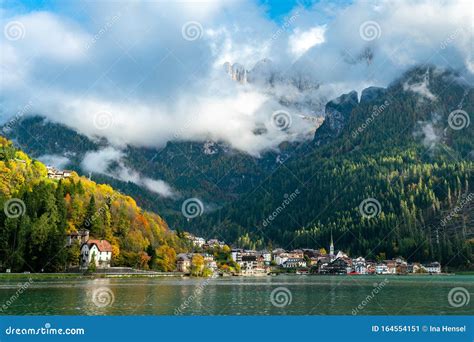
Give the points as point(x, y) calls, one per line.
point(331, 246)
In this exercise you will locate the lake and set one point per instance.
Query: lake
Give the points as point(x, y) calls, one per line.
point(279, 295)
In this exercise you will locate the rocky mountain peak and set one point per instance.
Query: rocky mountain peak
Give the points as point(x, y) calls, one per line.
point(337, 115)
point(236, 71)
point(371, 93)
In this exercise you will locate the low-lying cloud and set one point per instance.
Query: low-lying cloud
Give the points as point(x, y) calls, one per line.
point(55, 160)
point(109, 161)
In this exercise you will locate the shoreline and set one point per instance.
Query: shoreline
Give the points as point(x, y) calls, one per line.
point(46, 276)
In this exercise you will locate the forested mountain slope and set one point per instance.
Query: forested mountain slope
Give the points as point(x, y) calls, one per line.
point(401, 153)
point(407, 150)
point(38, 212)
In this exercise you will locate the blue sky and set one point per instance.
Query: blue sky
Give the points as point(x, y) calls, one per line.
point(276, 9)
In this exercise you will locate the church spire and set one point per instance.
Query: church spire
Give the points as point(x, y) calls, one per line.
point(331, 246)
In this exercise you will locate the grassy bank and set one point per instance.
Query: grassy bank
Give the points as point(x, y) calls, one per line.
point(54, 276)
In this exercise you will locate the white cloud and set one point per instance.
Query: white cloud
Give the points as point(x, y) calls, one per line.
point(108, 161)
point(429, 132)
point(302, 41)
point(99, 161)
point(430, 138)
point(55, 160)
point(421, 87)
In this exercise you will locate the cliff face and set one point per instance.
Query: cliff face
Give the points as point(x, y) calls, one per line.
point(236, 71)
point(371, 93)
point(337, 112)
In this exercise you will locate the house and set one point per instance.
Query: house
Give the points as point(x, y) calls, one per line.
point(341, 255)
point(348, 261)
point(198, 241)
point(265, 257)
point(281, 258)
point(312, 261)
point(322, 263)
point(97, 251)
point(370, 266)
point(195, 240)
point(311, 253)
point(215, 243)
point(278, 251)
point(432, 267)
point(391, 266)
point(401, 265)
point(294, 263)
point(415, 268)
point(249, 264)
point(261, 263)
point(402, 268)
point(381, 268)
point(395, 266)
point(209, 261)
point(212, 265)
point(183, 263)
point(236, 255)
point(54, 173)
point(360, 266)
point(337, 266)
point(80, 236)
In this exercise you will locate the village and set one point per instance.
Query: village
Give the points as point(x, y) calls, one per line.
point(243, 262)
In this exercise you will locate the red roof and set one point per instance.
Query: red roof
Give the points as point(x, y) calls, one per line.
point(102, 245)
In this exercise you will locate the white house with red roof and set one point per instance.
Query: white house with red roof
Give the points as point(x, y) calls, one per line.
point(97, 251)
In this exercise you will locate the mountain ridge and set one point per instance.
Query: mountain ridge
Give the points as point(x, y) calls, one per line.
point(388, 141)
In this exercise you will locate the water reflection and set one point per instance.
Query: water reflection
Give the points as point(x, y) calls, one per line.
point(239, 296)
